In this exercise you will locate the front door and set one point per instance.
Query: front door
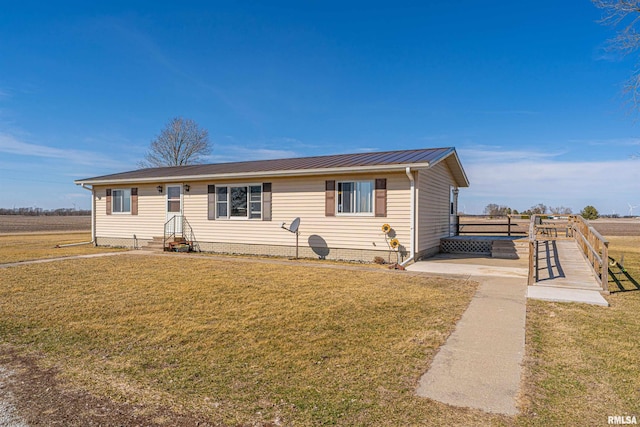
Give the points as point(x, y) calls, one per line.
point(174, 208)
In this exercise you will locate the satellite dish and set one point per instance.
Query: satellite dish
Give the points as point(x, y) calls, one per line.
point(294, 225)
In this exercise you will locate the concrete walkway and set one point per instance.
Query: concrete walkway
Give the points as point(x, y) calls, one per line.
point(480, 364)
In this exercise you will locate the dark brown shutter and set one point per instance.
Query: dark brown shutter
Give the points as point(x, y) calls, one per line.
point(381, 197)
point(266, 201)
point(211, 202)
point(330, 198)
point(108, 201)
point(134, 201)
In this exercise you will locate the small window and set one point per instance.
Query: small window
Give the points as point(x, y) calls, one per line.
point(174, 199)
point(355, 197)
point(255, 200)
point(221, 202)
point(121, 201)
point(239, 202)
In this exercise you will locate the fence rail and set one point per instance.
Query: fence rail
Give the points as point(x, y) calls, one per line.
point(595, 248)
point(508, 228)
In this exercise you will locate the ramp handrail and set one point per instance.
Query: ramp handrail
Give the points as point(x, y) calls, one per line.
point(594, 247)
point(533, 251)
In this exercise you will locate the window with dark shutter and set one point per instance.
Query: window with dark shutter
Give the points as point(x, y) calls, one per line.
point(108, 201)
point(134, 201)
point(381, 197)
point(330, 198)
point(211, 202)
point(266, 201)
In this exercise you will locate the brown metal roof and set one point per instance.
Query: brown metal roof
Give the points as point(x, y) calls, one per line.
point(291, 167)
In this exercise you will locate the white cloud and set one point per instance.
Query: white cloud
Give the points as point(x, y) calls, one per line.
point(521, 179)
point(11, 145)
point(612, 142)
point(494, 154)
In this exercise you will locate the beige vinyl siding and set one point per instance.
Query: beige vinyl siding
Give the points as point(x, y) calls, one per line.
point(433, 206)
point(303, 197)
point(148, 223)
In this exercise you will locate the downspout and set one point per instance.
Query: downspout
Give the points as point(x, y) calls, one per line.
point(93, 213)
point(412, 220)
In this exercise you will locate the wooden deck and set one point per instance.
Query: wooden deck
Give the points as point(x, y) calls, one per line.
point(563, 265)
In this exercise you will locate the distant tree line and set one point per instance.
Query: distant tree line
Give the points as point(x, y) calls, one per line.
point(45, 212)
point(494, 209)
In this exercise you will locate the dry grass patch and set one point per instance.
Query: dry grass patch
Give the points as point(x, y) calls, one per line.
point(630, 247)
point(241, 342)
point(25, 247)
point(584, 361)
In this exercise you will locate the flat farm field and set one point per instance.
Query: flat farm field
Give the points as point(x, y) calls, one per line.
point(617, 226)
point(497, 225)
point(11, 224)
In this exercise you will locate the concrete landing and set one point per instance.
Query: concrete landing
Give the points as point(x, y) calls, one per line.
point(480, 364)
point(547, 293)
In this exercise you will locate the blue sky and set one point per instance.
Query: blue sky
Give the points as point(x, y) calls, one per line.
point(524, 90)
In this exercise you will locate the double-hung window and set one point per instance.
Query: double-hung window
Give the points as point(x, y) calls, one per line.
point(355, 197)
point(121, 201)
point(239, 202)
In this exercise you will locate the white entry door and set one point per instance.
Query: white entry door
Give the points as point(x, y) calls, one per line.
point(174, 208)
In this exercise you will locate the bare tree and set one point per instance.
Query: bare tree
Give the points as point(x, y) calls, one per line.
point(561, 210)
point(492, 209)
point(539, 209)
point(181, 142)
point(625, 15)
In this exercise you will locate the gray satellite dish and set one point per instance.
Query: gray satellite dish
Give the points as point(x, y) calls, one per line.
point(294, 225)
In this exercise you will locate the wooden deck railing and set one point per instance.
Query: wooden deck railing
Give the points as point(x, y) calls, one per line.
point(533, 252)
point(595, 248)
point(593, 245)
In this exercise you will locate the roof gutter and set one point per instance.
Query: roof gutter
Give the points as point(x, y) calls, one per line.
point(278, 173)
point(93, 212)
point(412, 220)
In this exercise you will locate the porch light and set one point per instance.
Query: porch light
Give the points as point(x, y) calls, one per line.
point(159, 188)
point(187, 187)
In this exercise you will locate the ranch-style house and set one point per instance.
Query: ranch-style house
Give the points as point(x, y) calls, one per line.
point(342, 202)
